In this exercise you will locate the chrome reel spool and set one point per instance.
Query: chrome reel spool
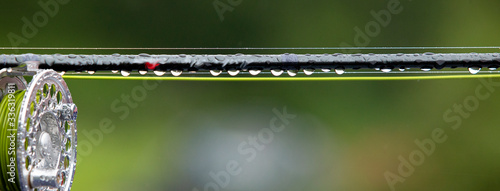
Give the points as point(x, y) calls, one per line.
point(46, 135)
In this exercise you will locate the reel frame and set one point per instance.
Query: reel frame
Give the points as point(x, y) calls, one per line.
point(46, 134)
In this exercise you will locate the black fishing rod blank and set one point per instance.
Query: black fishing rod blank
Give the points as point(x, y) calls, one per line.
point(241, 62)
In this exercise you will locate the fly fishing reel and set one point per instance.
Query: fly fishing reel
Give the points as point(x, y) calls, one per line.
point(38, 130)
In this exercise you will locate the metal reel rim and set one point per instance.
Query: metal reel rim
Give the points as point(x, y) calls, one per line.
point(37, 83)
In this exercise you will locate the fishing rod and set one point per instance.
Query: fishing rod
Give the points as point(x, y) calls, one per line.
point(38, 119)
point(254, 64)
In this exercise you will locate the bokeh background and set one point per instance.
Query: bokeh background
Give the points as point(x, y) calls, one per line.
point(346, 135)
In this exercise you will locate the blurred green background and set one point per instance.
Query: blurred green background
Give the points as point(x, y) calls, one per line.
point(346, 136)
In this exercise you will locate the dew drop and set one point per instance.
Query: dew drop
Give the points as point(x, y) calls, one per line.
point(233, 72)
point(426, 69)
point(215, 72)
point(114, 71)
point(492, 68)
point(339, 71)
point(143, 72)
point(386, 70)
point(125, 73)
point(91, 72)
point(308, 71)
point(276, 72)
point(176, 72)
point(159, 73)
point(326, 70)
point(402, 69)
point(254, 72)
point(474, 69)
point(292, 72)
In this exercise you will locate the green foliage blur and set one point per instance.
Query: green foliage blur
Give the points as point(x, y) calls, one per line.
point(350, 133)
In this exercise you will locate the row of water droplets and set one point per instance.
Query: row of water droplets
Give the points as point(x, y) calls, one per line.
point(276, 72)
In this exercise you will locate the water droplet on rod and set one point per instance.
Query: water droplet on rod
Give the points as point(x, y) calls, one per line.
point(125, 73)
point(91, 72)
point(474, 69)
point(386, 70)
point(326, 70)
point(276, 72)
point(254, 72)
point(339, 71)
point(176, 72)
point(143, 72)
point(292, 72)
point(426, 69)
point(159, 73)
point(215, 72)
point(308, 71)
point(233, 72)
point(114, 71)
